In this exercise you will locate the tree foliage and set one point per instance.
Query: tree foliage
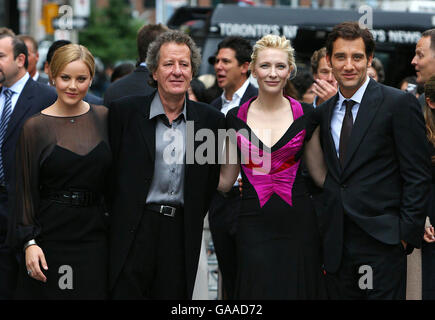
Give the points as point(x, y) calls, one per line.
point(111, 34)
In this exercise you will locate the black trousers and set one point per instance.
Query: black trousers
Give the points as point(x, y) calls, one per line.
point(223, 223)
point(155, 265)
point(369, 270)
point(8, 273)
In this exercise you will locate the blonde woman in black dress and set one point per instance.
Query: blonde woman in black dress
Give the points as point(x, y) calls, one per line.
point(63, 157)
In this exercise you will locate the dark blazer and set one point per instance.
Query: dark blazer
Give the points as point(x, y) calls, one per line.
point(42, 79)
point(133, 84)
point(251, 91)
point(384, 184)
point(34, 98)
point(132, 139)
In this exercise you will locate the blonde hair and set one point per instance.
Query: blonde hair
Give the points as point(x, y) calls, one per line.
point(272, 41)
point(70, 53)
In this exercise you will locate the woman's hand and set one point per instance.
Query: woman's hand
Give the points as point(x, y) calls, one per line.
point(35, 258)
point(429, 235)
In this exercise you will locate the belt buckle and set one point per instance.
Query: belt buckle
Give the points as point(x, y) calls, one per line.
point(165, 212)
point(75, 198)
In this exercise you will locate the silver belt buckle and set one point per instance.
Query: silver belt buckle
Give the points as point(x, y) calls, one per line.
point(167, 210)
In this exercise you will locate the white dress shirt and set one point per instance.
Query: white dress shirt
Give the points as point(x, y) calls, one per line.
point(227, 105)
point(16, 88)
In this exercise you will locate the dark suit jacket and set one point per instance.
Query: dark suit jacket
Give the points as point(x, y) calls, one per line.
point(133, 84)
point(251, 91)
point(384, 184)
point(132, 139)
point(42, 79)
point(34, 98)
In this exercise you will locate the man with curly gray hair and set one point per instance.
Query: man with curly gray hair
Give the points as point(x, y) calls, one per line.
point(161, 191)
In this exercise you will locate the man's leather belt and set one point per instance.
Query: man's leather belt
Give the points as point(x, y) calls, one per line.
point(163, 209)
point(82, 198)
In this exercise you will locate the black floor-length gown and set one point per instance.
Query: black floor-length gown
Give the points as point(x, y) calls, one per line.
point(278, 242)
point(428, 249)
point(64, 154)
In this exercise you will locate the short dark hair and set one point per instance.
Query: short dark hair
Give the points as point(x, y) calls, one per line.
point(18, 46)
point(303, 81)
point(54, 46)
point(147, 34)
point(315, 59)
point(351, 31)
point(241, 47)
point(430, 33)
point(379, 68)
point(121, 70)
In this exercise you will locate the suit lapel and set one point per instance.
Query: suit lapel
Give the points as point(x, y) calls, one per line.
point(147, 126)
point(193, 118)
point(249, 93)
point(329, 141)
point(367, 110)
point(22, 107)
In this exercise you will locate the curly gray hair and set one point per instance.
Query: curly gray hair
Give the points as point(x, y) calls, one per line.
point(178, 37)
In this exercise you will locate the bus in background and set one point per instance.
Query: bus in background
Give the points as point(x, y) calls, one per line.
point(395, 33)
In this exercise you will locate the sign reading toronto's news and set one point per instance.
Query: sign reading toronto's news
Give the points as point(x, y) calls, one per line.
point(257, 31)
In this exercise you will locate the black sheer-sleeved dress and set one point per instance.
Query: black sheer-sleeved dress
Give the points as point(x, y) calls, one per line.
point(278, 242)
point(428, 249)
point(62, 166)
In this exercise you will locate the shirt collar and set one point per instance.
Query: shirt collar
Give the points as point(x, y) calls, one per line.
point(18, 86)
point(357, 96)
point(238, 94)
point(36, 76)
point(157, 107)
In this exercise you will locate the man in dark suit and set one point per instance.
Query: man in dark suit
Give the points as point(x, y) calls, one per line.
point(20, 98)
point(376, 188)
point(33, 57)
point(136, 83)
point(161, 186)
point(231, 65)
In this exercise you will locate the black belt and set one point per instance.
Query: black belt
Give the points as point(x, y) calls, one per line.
point(82, 198)
point(163, 209)
point(3, 189)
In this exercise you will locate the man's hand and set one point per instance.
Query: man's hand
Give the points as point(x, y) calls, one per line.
point(429, 234)
point(324, 90)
